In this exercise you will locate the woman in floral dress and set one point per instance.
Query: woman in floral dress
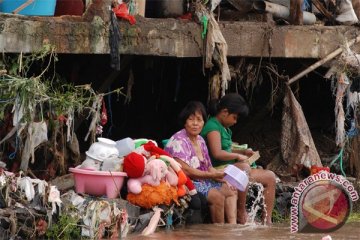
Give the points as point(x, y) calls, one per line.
point(190, 150)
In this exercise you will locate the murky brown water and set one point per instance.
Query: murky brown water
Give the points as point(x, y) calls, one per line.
point(228, 232)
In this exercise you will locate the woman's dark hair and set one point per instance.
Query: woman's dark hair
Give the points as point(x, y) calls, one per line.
point(191, 108)
point(233, 102)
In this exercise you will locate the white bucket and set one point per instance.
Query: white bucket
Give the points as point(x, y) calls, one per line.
point(125, 146)
point(236, 177)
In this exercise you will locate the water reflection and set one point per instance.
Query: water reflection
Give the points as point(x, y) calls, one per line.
point(228, 232)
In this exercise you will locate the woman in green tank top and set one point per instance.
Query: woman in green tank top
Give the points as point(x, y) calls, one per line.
point(218, 136)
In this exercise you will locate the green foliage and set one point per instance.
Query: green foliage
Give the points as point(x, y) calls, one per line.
point(17, 87)
point(277, 217)
point(36, 93)
point(21, 65)
point(66, 228)
point(354, 217)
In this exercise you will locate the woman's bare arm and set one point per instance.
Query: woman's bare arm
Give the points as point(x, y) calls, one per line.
point(194, 173)
point(248, 152)
point(214, 145)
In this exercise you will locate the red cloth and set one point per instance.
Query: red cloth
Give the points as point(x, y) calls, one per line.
point(186, 16)
point(67, 7)
point(121, 11)
point(103, 118)
point(154, 150)
point(190, 185)
point(315, 169)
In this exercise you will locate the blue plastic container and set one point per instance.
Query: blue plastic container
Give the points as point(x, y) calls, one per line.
point(36, 8)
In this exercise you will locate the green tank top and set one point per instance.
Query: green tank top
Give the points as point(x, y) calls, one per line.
point(225, 133)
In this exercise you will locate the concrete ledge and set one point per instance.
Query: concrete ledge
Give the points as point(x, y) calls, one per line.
point(168, 37)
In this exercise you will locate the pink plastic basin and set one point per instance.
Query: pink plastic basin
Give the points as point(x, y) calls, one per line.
point(98, 183)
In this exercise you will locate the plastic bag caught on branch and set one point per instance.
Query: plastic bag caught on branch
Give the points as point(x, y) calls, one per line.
point(297, 145)
point(37, 134)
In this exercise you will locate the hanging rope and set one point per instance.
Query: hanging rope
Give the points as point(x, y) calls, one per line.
point(13, 154)
point(340, 157)
point(114, 42)
point(110, 114)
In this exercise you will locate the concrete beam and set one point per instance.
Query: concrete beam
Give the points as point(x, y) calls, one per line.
point(168, 37)
point(69, 35)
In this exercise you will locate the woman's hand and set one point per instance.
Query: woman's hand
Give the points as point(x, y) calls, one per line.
point(241, 157)
point(249, 152)
point(217, 175)
point(230, 186)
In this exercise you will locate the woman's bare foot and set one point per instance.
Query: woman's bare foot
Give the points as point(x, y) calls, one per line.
point(242, 217)
point(267, 221)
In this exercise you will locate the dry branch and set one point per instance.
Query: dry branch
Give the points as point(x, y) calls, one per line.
point(322, 61)
point(323, 10)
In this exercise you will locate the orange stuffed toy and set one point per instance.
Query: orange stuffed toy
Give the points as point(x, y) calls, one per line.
point(151, 196)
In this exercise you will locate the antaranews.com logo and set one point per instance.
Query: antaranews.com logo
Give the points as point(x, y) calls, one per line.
point(321, 203)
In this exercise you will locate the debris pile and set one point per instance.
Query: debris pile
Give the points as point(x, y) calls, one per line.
point(27, 206)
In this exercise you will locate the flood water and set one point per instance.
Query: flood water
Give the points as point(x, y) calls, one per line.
point(228, 232)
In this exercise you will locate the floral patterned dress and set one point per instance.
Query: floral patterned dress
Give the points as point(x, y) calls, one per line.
point(179, 146)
